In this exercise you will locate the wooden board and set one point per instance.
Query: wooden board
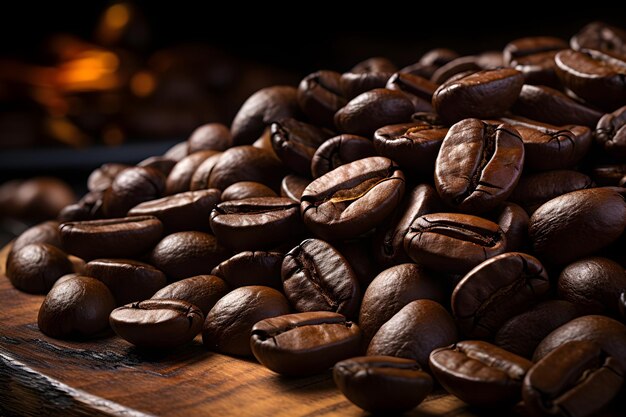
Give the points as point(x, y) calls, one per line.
point(47, 377)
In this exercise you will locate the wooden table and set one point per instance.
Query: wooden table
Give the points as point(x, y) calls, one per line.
point(47, 377)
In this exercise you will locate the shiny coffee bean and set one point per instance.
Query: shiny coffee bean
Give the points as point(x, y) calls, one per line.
point(77, 307)
point(531, 45)
point(203, 291)
point(46, 232)
point(577, 224)
point(316, 277)
point(256, 223)
point(292, 187)
point(598, 35)
point(179, 179)
point(246, 163)
point(34, 268)
point(211, 136)
point(577, 379)
point(101, 178)
point(228, 325)
point(111, 238)
point(251, 268)
point(607, 175)
point(414, 86)
point(374, 64)
point(430, 61)
point(201, 176)
point(358, 253)
point(128, 280)
point(353, 198)
point(611, 133)
point(181, 212)
point(478, 165)
point(453, 242)
point(320, 96)
point(534, 57)
point(382, 384)
point(391, 290)
point(480, 373)
point(304, 343)
point(246, 189)
point(338, 151)
point(485, 94)
point(485, 61)
point(160, 163)
point(354, 83)
point(157, 324)
point(131, 187)
point(513, 221)
point(495, 291)
point(413, 332)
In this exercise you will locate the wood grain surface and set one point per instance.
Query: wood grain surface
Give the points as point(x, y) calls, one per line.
point(40, 376)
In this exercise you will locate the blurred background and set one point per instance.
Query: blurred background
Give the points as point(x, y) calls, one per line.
point(84, 83)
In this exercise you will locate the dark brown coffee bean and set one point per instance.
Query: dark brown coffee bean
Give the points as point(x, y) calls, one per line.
point(374, 64)
point(202, 175)
point(522, 333)
point(513, 221)
point(372, 110)
point(391, 290)
point(211, 136)
point(77, 307)
point(484, 95)
point(413, 85)
point(608, 175)
point(131, 187)
point(496, 290)
point(578, 379)
point(480, 373)
point(316, 277)
point(611, 133)
point(382, 384)
point(252, 268)
point(46, 232)
point(352, 84)
point(292, 187)
point(534, 57)
point(246, 163)
point(34, 268)
point(358, 253)
point(353, 198)
point(160, 163)
point(229, 323)
point(178, 151)
point(179, 179)
point(157, 324)
point(473, 63)
point(203, 291)
point(338, 151)
point(246, 189)
point(413, 332)
point(414, 146)
point(128, 280)
point(320, 96)
point(304, 343)
point(101, 178)
point(599, 35)
point(111, 238)
point(524, 47)
point(262, 109)
point(478, 165)
point(577, 224)
point(453, 242)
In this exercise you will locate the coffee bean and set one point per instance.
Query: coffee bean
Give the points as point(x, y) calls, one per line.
point(413, 85)
point(472, 63)
point(292, 187)
point(46, 232)
point(246, 189)
point(304, 343)
point(524, 47)
point(201, 176)
point(101, 178)
point(513, 221)
point(611, 133)
point(358, 253)
point(246, 163)
point(157, 324)
point(598, 35)
point(382, 384)
point(338, 151)
point(34, 268)
point(320, 96)
point(374, 64)
point(203, 291)
point(354, 83)
point(252, 268)
point(211, 136)
point(160, 163)
point(179, 178)
point(131, 187)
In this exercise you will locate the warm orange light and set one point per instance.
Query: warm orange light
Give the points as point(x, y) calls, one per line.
point(92, 70)
point(66, 132)
point(117, 16)
point(142, 84)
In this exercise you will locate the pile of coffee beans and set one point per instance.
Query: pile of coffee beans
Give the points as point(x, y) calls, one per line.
point(457, 223)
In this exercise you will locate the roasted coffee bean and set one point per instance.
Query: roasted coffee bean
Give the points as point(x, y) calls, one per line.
point(320, 96)
point(389, 238)
point(157, 324)
point(111, 238)
point(597, 77)
point(178, 151)
point(534, 57)
point(262, 109)
point(414, 146)
point(187, 254)
point(593, 284)
point(478, 165)
point(513, 221)
point(374, 64)
point(496, 290)
point(316, 277)
point(453, 242)
point(354, 83)
point(295, 143)
point(353, 198)
point(160, 163)
point(430, 61)
point(304, 343)
point(181, 212)
point(382, 384)
point(35, 267)
point(179, 179)
point(577, 224)
point(480, 373)
point(522, 333)
point(228, 325)
point(101, 178)
point(203, 291)
point(358, 253)
point(530, 46)
point(201, 176)
point(391, 290)
point(413, 332)
point(292, 187)
point(611, 133)
point(246, 189)
point(548, 105)
point(598, 35)
point(252, 268)
point(211, 136)
point(46, 232)
point(414, 85)
point(484, 94)
point(256, 223)
point(338, 151)
point(77, 307)
point(131, 187)
point(246, 163)
point(607, 175)
point(472, 63)
point(622, 304)
point(128, 280)
point(578, 379)
point(610, 334)
point(372, 110)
